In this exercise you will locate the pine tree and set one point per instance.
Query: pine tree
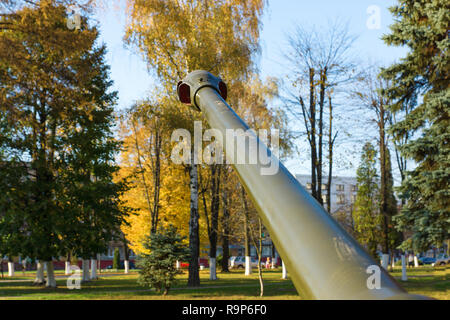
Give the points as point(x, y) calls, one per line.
point(158, 268)
point(423, 27)
point(366, 215)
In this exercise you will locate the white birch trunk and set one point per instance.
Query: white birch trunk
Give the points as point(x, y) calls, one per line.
point(385, 261)
point(416, 262)
point(178, 264)
point(67, 270)
point(248, 265)
point(93, 269)
point(212, 269)
point(126, 265)
point(11, 269)
point(404, 276)
point(284, 270)
point(86, 275)
point(39, 273)
point(51, 281)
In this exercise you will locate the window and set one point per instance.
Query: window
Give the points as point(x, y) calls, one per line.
point(353, 198)
point(324, 198)
point(340, 199)
point(324, 186)
point(354, 188)
point(308, 186)
point(340, 187)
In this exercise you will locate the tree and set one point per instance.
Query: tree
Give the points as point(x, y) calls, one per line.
point(257, 239)
point(366, 214)
point(176, 37)
point(116, 259)
point(369, 94)
point(225, 219)
point(321, 64)
point(423, 27)
point(61, 143)
point(158, 268)
point(159, 192)
point(212, 215)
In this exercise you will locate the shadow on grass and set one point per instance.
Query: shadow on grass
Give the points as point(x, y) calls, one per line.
point(227, 286)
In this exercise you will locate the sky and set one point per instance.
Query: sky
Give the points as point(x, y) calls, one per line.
point(368, 20)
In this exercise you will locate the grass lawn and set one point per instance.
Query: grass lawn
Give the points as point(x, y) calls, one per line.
point(433, 282)
point(427, 281)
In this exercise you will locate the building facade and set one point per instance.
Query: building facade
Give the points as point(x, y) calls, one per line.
point(343, 191)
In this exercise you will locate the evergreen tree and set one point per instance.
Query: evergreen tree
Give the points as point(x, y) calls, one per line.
point(116, 259)
point(366, 213)
point(423, 27)
point(58, 153)
point(158, 268)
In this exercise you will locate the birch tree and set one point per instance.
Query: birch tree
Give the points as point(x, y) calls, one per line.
point(176, 37)
point(321, 65)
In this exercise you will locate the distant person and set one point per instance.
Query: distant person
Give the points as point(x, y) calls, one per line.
point(24, 265)
point(268, 263)
point(411, 260)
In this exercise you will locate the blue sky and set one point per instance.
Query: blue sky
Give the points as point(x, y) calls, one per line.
point(133, 81)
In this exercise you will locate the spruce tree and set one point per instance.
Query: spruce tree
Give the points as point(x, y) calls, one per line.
point(423, 27)
point(158, 267)
point(366, 214)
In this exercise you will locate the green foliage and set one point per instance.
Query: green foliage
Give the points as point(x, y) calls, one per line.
point(423, 27)
point(57, 192)
point(219, 259)
point(158, 268)
point(116, 259)
point(366, 215)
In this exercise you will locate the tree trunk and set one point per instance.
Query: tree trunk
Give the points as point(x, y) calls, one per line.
point(225, 228)
point(11, 269)
point(94, 269)
point(194, 240)
point(67, 270)
point(142, 171)
point(322, 86)
point(284, 270)
point(312, 120)
point(404, 276)
point(385, 261)
point(260, 276)
point(416, 261)
point(126, 253)
point(51, 281)
point(212, 269)
point(331, 140)
point(157, 180)
point(248, 263)
point(215, 207)
point(86, 277)
point(39, 280)
point(383, 174)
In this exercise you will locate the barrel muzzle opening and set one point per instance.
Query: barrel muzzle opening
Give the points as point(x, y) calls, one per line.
point(188, 88)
